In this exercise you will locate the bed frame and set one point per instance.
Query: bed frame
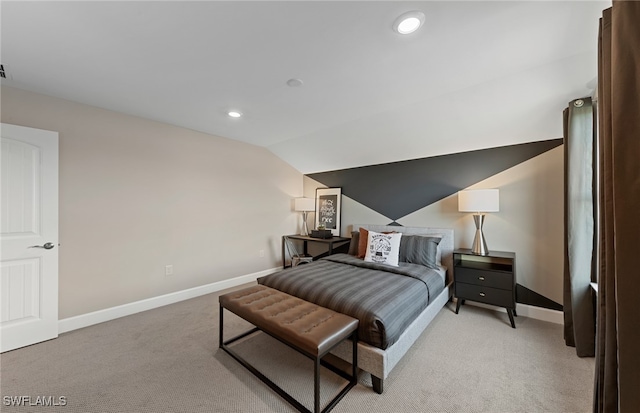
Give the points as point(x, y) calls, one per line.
point(378, 362)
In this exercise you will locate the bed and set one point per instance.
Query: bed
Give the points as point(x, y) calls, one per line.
point(394, 304)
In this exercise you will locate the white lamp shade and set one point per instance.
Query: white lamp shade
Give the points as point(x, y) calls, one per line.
point(479, 200)
point(305, 204)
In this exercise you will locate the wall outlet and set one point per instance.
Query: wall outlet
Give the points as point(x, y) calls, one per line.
point(261, 253)
point(168, 270)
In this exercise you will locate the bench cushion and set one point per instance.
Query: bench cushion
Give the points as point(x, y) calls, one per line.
point(305, 325)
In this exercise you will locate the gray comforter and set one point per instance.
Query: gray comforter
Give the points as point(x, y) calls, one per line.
point(385, 299)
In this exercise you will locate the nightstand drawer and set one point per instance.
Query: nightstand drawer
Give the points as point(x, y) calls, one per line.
point(484, 278)
point(487, 295)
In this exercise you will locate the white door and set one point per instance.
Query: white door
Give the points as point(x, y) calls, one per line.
point(28, 236)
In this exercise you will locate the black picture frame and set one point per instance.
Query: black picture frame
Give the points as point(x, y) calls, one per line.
point(328, 209)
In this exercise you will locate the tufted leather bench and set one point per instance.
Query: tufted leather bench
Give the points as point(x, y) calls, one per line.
point(306, 327)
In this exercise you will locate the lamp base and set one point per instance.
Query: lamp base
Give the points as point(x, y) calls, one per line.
point(479, 243)
point(305, 227)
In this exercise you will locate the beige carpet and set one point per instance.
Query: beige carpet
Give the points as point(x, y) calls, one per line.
point(167, 360)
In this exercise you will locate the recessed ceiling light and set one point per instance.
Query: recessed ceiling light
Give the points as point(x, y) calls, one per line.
point(234, 114)
point(409, 22)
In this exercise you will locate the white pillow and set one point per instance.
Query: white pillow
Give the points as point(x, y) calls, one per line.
point(383, 248)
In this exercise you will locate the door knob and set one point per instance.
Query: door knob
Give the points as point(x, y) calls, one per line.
point(47, 246)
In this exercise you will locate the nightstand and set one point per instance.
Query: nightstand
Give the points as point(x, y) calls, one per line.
point(488, 279)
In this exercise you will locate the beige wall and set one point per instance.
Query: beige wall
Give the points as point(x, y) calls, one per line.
point(136, 195)
point(530, 221)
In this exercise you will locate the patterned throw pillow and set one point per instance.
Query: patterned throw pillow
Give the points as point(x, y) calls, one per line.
point(363, 239)
point(383, 248)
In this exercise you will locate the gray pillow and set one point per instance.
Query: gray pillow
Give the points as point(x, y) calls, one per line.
point(419, 249)
point(353, 246)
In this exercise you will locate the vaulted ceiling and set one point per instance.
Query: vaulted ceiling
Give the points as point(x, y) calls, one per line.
point(476, 75)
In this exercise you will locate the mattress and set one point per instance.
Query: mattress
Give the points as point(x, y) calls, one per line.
point(385, 299)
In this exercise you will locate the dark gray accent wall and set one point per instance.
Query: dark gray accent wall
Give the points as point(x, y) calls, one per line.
point(400, 188)
point(530, 297)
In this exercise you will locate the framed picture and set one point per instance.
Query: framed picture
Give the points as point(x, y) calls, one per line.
point(328, 204)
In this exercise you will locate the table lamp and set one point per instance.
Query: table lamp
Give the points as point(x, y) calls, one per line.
point(305, 205)
point(479, 201)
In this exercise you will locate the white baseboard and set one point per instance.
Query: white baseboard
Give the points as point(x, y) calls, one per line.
point(539, 313)
point(85, 320)
point(525, 310)
point(100, 316)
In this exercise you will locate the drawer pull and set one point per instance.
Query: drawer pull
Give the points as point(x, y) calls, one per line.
point(481, 278)
point(482, 294)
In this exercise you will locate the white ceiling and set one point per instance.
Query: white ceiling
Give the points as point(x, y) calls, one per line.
point(478, 74)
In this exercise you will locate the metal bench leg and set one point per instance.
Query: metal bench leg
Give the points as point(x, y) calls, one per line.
point(316, 385)
point(221, 324)
point(354, 361)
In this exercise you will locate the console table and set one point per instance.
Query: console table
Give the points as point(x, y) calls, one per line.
point(329, 242)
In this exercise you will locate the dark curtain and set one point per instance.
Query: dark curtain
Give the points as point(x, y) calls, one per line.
point(617, 381)
point(579, 234)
